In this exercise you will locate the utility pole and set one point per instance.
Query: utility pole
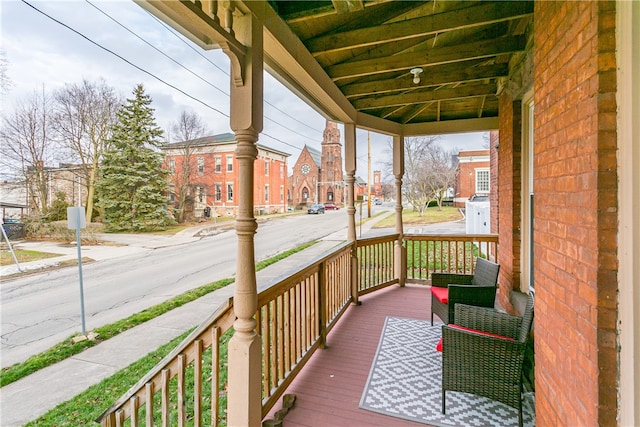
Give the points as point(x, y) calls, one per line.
point(369, 173)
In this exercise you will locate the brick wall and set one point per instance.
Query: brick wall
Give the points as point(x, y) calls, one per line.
point(509, 196)
point(494, 146)
point(576, 213)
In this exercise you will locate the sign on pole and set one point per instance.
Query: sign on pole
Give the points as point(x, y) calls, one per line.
point(76, 220)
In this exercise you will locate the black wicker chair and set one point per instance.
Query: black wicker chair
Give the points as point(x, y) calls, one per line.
point(486, 365)
point(478, 289)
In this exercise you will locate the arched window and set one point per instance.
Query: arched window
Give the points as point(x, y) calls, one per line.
point(305, 194)
point(330, 196)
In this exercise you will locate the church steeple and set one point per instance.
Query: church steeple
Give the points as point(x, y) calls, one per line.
point(331, 134)
point(331, 188)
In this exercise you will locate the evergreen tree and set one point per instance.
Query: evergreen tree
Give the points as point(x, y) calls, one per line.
point(132, 184)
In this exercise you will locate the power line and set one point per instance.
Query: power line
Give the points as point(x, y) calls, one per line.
point(172, 31)
point(151, 74)
point(195, 74)
point(125, 60)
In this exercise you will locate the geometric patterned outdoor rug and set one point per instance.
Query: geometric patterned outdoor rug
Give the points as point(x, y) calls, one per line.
point(404, 382)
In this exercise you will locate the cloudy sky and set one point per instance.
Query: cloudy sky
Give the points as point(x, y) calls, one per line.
point(121, 43)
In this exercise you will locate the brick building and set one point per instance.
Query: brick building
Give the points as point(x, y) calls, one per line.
point(317, 176)
point(213, 176)
point(473, 176)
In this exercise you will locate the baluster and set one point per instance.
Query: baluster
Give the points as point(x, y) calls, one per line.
point(164, 392)
point(134, 406)
point(182, 365)
point(149, 403)
point(197, 383)
point(215, 375)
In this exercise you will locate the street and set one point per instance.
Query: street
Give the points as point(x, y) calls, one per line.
point(40, 310)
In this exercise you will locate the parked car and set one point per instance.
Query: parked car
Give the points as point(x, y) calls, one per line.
point(316, 209)
point(331, 207)
point(378, 202)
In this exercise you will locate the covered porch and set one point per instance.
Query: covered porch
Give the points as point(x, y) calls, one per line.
point(554, 83)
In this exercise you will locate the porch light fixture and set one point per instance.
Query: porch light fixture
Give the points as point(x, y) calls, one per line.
point(416, 74)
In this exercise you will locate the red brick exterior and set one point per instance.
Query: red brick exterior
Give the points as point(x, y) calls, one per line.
point(305, 175)
point(377, 185)
point(205, 176)
point(494, 145)
point(468, 163)
point(575, 185)
point(509, 179)
point(319, 171)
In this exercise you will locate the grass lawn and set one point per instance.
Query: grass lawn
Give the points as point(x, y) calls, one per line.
point(431, 215)
point(23, 255)
point(66, 348)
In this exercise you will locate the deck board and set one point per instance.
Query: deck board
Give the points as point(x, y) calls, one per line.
point(329, 388)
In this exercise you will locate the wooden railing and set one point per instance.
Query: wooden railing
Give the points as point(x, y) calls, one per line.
point(376, 261)
point(181, 373)
point(295, 314)
point(446, 253)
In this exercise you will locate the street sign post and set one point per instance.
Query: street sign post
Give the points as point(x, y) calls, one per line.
point(76, 220)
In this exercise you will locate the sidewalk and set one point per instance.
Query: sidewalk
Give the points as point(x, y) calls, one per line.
point(24, 400)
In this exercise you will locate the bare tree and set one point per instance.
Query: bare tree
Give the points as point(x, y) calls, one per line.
point(440, 172)
point(186, 129)
point(84, 115)
point(5, 80)
point(429, 171)
point(29, 146)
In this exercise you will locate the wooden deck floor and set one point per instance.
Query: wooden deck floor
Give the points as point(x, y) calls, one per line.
point(329, 388)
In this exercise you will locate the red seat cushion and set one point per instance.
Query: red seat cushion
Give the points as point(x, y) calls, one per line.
point(442, 294)
point(462, 328)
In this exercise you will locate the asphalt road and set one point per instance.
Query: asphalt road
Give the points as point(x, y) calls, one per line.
point(43, 309)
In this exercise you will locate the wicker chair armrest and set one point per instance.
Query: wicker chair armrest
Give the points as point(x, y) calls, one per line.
point(487, 320)
point(474, 352)
point(442, 280)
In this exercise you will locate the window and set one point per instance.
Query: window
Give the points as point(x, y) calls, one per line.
point(229, 192)
point(218, 164)
point(172, 165)
point(281, 171)
point(266, 167)
point(482, 181)
point(282, 194)
point(218, 190)
point(266, 193)
point(200, 165)
point(330, 175)
point(229, 163)
point(200, 192)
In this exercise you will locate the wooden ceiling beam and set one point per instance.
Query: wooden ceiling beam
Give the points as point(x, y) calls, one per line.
point(436, 56)
point(447, 74)
point(480, 14)
point(429, 96)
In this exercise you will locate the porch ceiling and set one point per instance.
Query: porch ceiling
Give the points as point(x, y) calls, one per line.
point(351, 59)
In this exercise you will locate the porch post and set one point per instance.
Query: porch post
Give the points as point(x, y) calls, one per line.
point(399, 252)
point(350, 164)
point(244, 406)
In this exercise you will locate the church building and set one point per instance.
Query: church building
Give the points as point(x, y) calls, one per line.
point(317, 176)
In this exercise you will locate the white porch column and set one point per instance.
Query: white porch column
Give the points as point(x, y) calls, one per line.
point(399, 252)
point(350, 164)
point(244, 406)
